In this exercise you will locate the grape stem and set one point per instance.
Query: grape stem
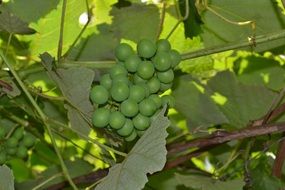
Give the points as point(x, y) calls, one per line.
point(42, 116)
point(60, 41)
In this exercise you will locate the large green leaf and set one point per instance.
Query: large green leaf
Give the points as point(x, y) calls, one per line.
point(147, 156)
point(7, 178)
point(207, 183)
point(266, 14)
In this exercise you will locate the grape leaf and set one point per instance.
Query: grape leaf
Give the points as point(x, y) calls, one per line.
point(208, 183)
point(7, 178)
point(147, 156)
point(75, 84)
point(12, 24)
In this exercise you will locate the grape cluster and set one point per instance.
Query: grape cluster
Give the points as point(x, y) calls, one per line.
point(15, 143)
point(129, 95)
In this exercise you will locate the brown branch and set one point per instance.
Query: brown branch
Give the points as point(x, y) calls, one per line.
point(236, 135)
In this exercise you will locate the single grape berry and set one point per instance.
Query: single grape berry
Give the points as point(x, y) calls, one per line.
point(145, 70)
point(140, 133)
point(12, 142)
point(165, 86)
point(131, 137)
point(146, 89)
point(99, 94)
point(175, 58)
point(146, 48)
point(141, 122)
point(18, 133)
point(137, 79)
point(11, 151)
point(101, 117)
point(129, 108)
point(118, 70)
point(132, 63)
point(123, 51)
point(162, 61)
point(153, 85)
point(127, 129)
point(120, 78)
point(117, 120)
point(106, 81)
point(166, 76)
point(120, 91)
point(156, 99)
point(29, 140)
point(163, 45)
point(22, 152)
point(147, 107)
point(137, 93)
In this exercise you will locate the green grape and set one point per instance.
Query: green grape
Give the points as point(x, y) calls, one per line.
point(156, 99)
point(169, 100)
point(162, 61)
point(132, 63)
point(118, 70)
point(12, 142)
point(153, 85)
point(129, 108)
point(123, 51)
point(146, 89)
point(99, 94)
point(163, 45)
point(117, 120)
point(11, 151)
point(127, 129)
point(106, 81)
point(120, 91)
point(22, 152)
point(29, 140)
point(3, 157)
point(131, 137)
point(18, 133)
point(166, 76)
point(101, 117)
point(137, 79)
point(175, 58)
point(120, 78)
point(137, 93)
point(145, 70)
point(2, 132)
point(141, 122)
point(140, 133)
point(146, 48)
point(165, 86)
point(147, 107)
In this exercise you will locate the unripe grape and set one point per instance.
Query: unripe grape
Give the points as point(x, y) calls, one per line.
point(145, 70)
point(22, 152)
point(120, 78)
point(106, 81)
point(175, 58)
point(12, 142)
point(147, 107)
point(129, 108)
point(146, 89)
point(118, 70)
point(11, 151)
point(137, 79)
point(120, 91)
point(18, 133)
point(137, 93)
point(127, 129)
point(123, 51)
point(146, 48)
point(153, 85)
point(117, 120)
point(162, 61)
point(169, 100)
point(131, 137)
point(156, 99)
point(132, 63)
point(166, 76)
point(101, 117)
point(141, 122)
point(29, 140)
point(140, 133)
point(99, 94)
point(163, 45)
point(165, 86)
